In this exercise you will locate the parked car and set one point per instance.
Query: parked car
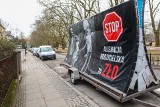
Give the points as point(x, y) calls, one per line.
point(46, 52)
point(32, 49)
point(35, 51)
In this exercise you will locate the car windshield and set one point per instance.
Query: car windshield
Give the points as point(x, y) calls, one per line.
point(35, 49)
point(46, 49)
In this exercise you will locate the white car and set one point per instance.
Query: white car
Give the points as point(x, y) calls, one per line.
point(32, 49)
point(46, 52)
point(35, 51)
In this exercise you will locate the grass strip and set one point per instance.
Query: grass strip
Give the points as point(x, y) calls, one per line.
point(10, 94)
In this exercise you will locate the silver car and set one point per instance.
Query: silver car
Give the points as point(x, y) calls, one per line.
point(46, 52)
point(34, 51)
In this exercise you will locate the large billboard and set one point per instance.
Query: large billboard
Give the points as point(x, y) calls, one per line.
point(107, 47)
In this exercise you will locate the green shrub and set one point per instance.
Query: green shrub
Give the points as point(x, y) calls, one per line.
point(10, 94)
point(6, 48)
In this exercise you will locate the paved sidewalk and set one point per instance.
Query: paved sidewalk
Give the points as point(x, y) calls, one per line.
point(42, 87)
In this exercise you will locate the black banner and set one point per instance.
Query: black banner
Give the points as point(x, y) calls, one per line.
point(105, 46)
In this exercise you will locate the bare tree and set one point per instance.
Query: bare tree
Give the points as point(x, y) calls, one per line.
point(57, 16)
point(113, 3)
point(154, 9)
point(85, 8)
point(46, 31)
point(77, 9)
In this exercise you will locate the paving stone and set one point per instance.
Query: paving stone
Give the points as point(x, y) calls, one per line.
point(20, 101)
point(32, 91)
point(28, 77)
point(71, 97)
point(36, 103)
point(77, 102)
point(47, 85)
point(59, 102)
point(33, 96)
point(31, 80)
point(48, 90)
point(52, 95)
point(31, 83)
point(43, 80)
point(42, 87)
point(32, 86)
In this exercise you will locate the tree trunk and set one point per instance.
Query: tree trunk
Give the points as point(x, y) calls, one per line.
point(152, 15)
point(157, 39)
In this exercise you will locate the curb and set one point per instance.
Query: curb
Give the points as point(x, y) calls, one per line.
point(76, 90)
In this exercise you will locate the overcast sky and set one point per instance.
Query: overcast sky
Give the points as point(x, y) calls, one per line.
point(21, 14)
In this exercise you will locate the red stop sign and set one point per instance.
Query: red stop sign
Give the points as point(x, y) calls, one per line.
point(112, 27)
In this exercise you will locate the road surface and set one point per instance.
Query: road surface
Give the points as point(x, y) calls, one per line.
point(99, 97)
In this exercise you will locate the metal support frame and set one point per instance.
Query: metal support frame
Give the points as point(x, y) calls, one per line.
point(116, 94)
point(129, 97)
point(75, 72)
point(143, 103)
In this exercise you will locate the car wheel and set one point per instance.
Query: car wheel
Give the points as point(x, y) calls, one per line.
point(42, 58)
point(73, 80)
